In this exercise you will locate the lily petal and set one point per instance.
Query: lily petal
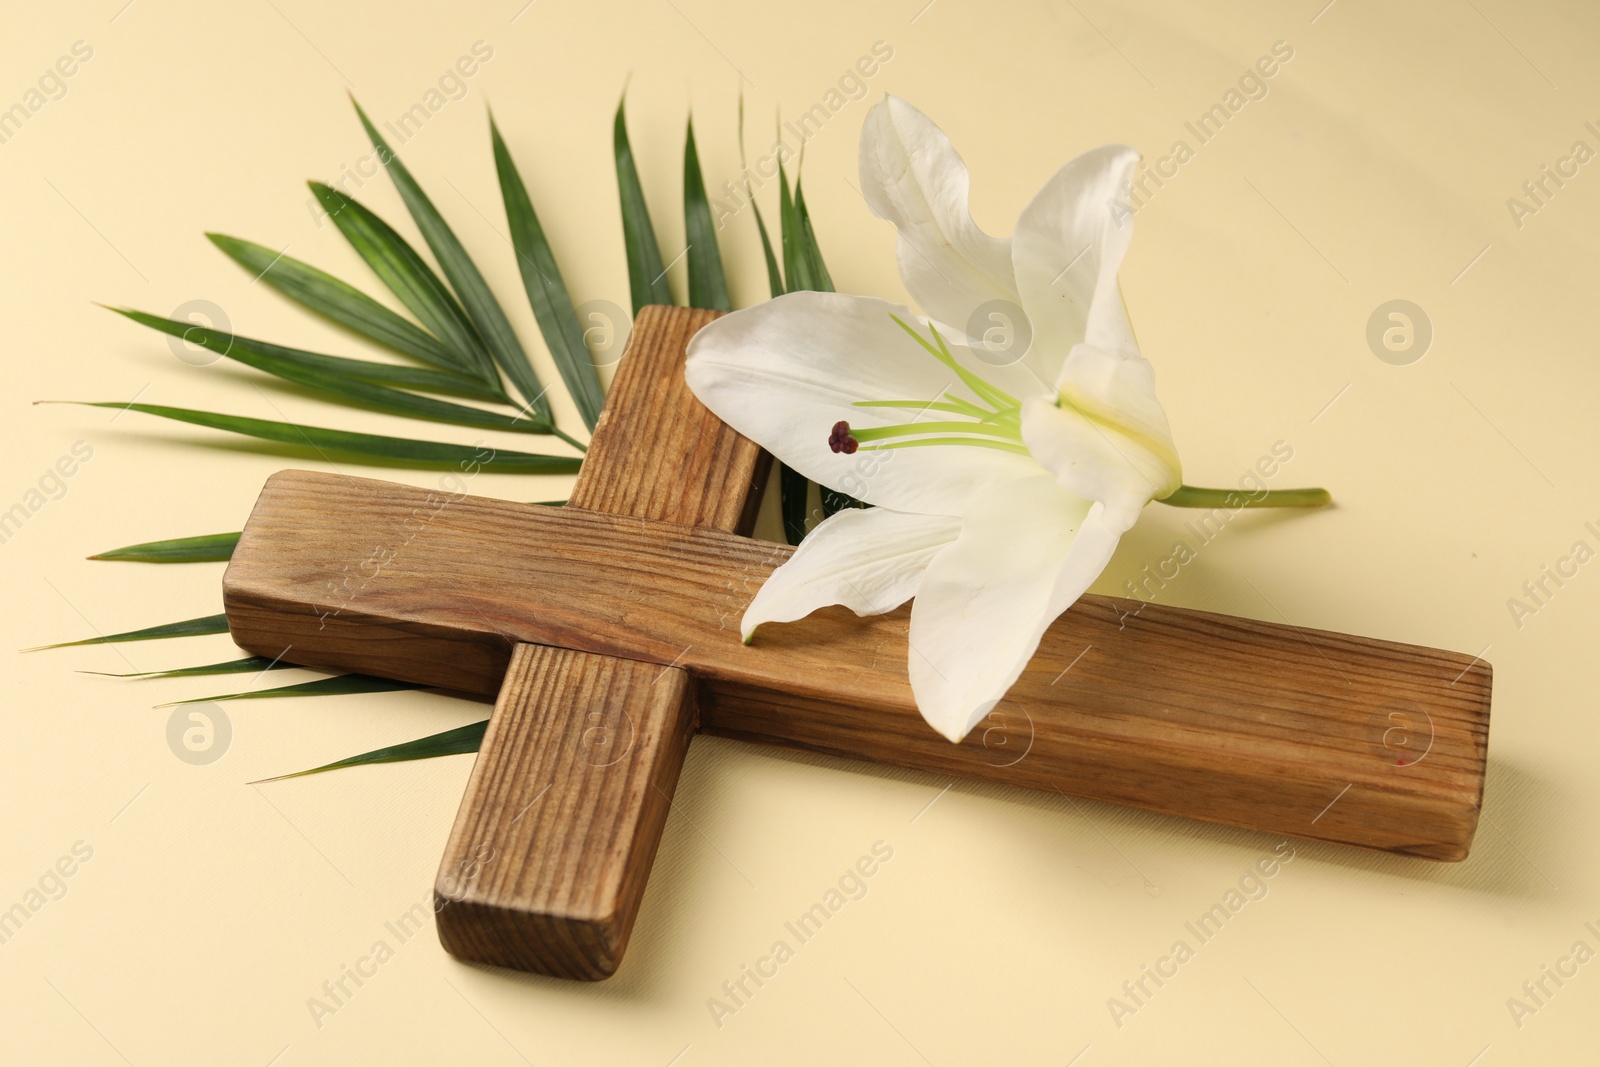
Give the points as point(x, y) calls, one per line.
point(1121, 463)
point(1106, 438)
point(1066, 252)
point(1026, 552)
point(783, 372)
point(870, 560)
point(913, 177)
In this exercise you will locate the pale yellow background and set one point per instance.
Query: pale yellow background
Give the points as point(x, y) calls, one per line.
point(1378, 168)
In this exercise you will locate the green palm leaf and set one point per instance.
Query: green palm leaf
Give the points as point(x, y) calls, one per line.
point(794, 490)
point(482, 308)
point(462, 739)
point(547, 294)
point(406, 274)
point(339, 301)
point(796, 274)
point(270, 357)
point(206, 624)
point(248, 665)
point(338, 685)
point(423, 455)
point(821, 280)
point(708, 287)
point(205, 548)
point(647, 278)
point(774, 278)
point(330, 379)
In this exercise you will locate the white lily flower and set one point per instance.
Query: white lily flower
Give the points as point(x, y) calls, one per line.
point(999, 489)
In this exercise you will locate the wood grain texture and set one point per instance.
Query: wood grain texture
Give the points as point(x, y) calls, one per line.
point(562, 815)
point(657, 452)
point(567, 875)
point(1252, 724)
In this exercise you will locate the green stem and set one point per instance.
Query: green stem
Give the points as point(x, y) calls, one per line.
point(1189, 496)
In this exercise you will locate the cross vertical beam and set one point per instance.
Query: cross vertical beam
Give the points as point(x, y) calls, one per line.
point(546, 865)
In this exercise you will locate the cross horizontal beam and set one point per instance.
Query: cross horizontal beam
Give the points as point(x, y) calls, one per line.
point(1230, 720)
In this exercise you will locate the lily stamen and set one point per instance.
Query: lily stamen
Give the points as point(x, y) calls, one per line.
point(840, 440)
point(979, 442)
point(954, 405)
point(912, 429)
point(997, 426)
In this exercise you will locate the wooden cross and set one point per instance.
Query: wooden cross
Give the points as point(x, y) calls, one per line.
point(610, 631)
